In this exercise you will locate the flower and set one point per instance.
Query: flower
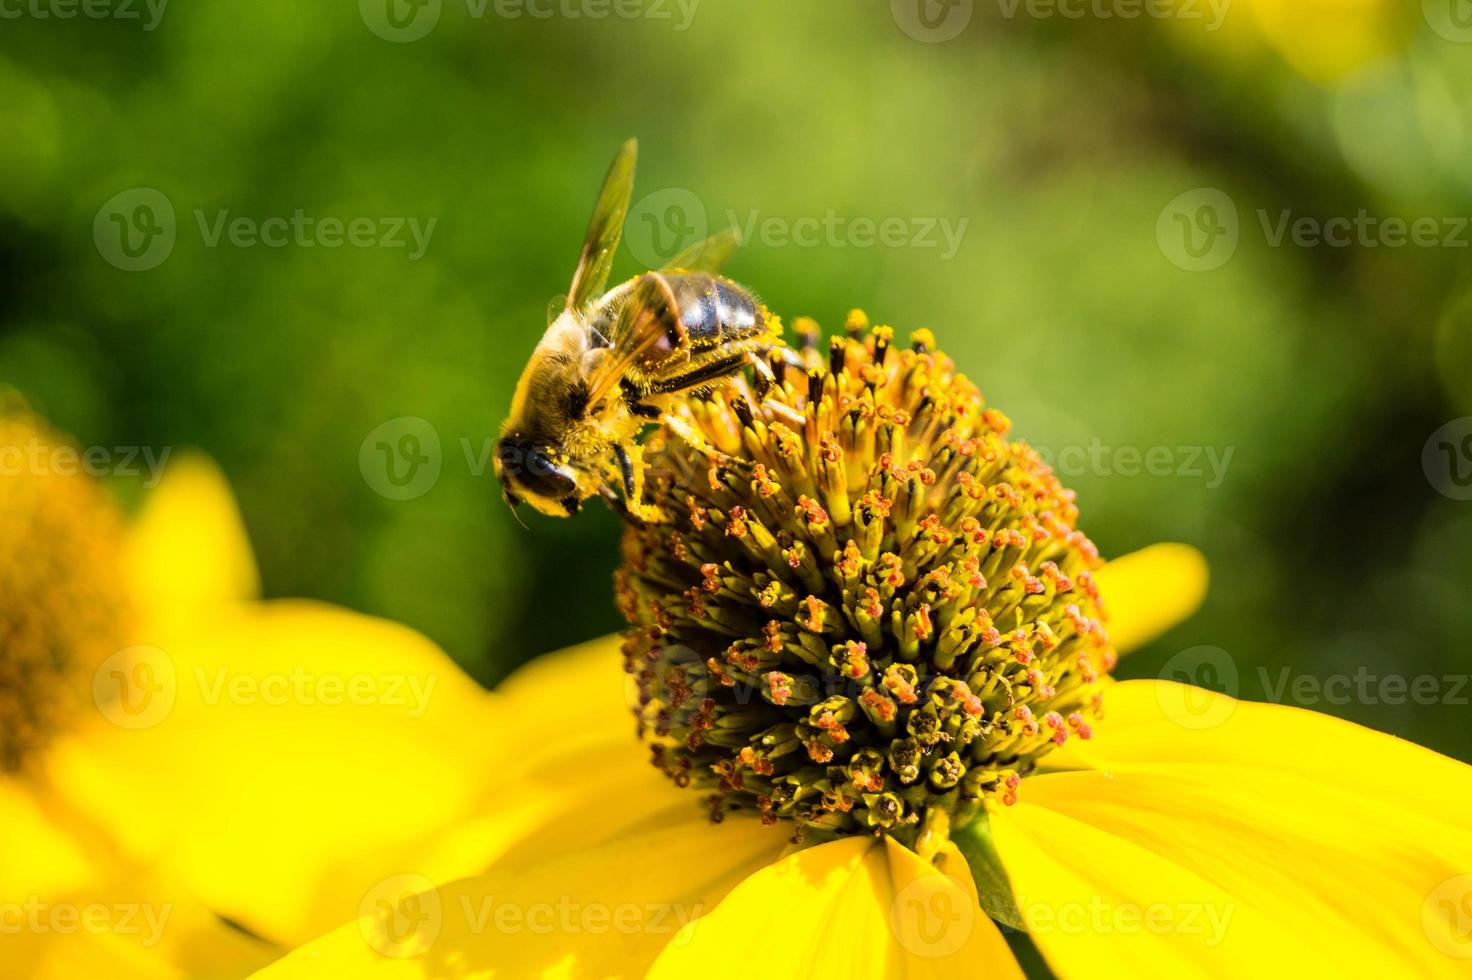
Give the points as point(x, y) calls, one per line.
point(868, 655)
point(174, 750)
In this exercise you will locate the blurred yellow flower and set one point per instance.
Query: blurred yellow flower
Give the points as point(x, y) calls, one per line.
point(176, 750)
point(1325, 41)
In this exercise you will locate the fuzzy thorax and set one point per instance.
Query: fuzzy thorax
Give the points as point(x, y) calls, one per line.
point(868, 610)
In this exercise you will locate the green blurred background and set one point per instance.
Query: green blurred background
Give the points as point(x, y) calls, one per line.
point(1064, 144)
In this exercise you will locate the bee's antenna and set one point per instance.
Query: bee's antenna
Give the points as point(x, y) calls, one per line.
point(514, 503)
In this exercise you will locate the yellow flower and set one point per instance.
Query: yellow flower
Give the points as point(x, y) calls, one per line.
point(1325, 41)
point(891, 758)
point(173, 749)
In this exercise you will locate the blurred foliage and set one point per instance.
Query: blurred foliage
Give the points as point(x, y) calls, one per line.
point(1324, 370)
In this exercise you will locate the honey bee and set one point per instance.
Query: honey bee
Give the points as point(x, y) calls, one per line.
point(612, 362)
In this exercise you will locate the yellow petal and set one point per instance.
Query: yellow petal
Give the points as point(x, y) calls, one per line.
point(37, 856)
point(588, 679)
point(69, 909)
point(1148, 591)
point(1279, 837)
point(135, 927)
point(857, 907)
point(1156, 726)
point(277, 762)
point(187, 549)
point(589, 912)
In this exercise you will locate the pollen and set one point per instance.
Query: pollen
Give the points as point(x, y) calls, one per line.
point(897, 617)
point(62, 604)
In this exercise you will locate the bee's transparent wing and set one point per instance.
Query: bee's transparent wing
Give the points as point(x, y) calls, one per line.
point(555, 306)
point(707, 256)
point(647, 318)
point(604, 230)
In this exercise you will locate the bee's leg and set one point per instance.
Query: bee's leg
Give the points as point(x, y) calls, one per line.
point(631, 472)
point(616, 504)
point(766, 380)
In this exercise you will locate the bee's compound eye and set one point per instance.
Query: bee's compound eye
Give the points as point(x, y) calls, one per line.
point(542, 476)
point(510, 453)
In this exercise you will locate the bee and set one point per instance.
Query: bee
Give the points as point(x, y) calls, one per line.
point(612, 362)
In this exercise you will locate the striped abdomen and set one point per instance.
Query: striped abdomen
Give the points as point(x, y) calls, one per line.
point(713, 311)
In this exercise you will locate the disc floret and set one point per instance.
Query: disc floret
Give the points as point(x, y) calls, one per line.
point(868, 611)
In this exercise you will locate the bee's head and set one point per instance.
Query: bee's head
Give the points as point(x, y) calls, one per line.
point(529, 472)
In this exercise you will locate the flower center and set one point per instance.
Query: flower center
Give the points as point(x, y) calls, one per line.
point(61, 591)
point(867, 611)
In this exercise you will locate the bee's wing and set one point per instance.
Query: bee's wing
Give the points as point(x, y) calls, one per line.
point(555, 306)
point(648, 315)
point(707, 256)
point(604, 230)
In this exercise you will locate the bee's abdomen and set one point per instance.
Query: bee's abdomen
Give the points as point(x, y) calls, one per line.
point(713, 310)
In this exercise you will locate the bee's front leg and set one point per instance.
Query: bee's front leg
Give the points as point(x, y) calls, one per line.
point(631, 474)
